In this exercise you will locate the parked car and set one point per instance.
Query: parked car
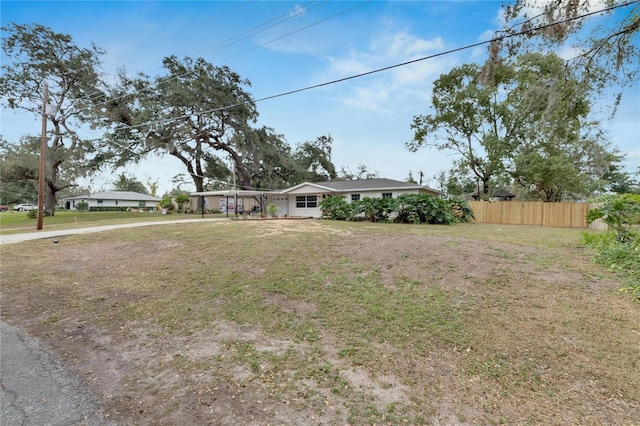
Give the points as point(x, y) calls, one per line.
point(24, 207)
point(3, 208)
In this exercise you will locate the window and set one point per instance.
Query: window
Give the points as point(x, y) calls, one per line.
point(99, 202)
point(355, 197)
point(142, 204)
point(306, 201)
point(116, 202)
point(387, 195)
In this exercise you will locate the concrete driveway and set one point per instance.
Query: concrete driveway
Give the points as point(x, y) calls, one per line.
point(27, 236)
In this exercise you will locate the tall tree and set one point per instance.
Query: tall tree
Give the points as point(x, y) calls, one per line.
point(194, 112)
point(562, 151)
point(361, 172)
point(38, 56)
point(268, 159)
point(126, 183)
point(314, 158)
point(527, 118)
point(606, 52)
point(19, 170)
point(478, 121)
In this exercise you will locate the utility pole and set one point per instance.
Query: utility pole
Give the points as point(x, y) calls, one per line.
point(43, 152)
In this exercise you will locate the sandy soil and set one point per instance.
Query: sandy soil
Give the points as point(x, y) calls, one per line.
point(144, 374)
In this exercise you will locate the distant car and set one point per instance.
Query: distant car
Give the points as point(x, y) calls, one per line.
point(4, 208)
point(24, 207)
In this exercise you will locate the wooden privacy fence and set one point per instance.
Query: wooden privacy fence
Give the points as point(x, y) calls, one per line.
point(567, 215)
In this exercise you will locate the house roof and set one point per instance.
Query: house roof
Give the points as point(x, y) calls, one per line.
point(233, 193)
point(497, 193)
point(379, 184)
point(116, 195)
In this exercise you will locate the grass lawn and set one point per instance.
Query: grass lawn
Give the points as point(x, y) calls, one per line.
point(318, 322)
point(12, 222)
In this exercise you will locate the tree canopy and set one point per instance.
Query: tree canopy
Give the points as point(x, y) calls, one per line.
point(526, 121)
point(38, 56)
point(191, 112)
point(19, 171)
point(127, 183)
point(606, 53)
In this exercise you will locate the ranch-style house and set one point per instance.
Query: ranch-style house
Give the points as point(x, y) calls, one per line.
point(124, 199)
point(303, 200)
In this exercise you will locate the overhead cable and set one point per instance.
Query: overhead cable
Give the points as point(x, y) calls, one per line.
point(387, 68)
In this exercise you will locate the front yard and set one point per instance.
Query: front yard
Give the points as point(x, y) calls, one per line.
point(316, 322)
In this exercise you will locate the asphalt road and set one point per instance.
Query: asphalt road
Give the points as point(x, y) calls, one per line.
point(36, 389)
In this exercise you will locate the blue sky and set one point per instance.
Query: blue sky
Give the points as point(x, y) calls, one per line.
point(368, 117)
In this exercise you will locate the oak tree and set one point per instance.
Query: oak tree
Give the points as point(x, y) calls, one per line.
point(36, 55)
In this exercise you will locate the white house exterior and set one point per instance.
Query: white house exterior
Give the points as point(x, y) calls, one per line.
point(111, 199)
point(303, 200)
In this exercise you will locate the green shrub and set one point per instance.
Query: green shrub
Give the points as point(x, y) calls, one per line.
point(620, 213)
point(108, 209)
point(272, 209)
point(336, 207)
point(424, 208)
point(82, 206)
point(33, 214)
point(460, 209)
point(620, 257)
point(182, 199)
point(375, 209)
point(166, 203)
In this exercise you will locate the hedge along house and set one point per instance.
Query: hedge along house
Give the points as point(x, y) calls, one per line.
point(113, 200)
point(304, 199)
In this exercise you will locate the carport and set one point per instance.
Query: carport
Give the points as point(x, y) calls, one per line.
point(232, 201)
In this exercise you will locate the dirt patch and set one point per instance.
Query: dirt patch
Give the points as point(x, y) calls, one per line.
point(239, 324)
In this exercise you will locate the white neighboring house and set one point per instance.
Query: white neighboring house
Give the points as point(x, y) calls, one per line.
point(123, 199)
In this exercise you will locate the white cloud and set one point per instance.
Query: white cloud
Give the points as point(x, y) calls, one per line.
point(347, 66)
point(405, 84)
point(297, 10)
point(403, 45)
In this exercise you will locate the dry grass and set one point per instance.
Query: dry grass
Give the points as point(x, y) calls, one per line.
point(307, 322)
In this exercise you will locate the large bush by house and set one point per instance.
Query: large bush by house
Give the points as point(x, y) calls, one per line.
point(335, 207)
point(407, 208)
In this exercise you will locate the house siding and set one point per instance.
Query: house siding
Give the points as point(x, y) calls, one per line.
point(317, 212)
point(112, 199)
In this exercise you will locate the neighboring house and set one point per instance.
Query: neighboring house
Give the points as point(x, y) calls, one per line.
point(125, 199)
point(302, 200)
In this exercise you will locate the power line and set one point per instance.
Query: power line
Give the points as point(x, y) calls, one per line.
point(250, 32)
point(185, 30)
point(524, 32)
point(378, 70)
point(300, 29)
